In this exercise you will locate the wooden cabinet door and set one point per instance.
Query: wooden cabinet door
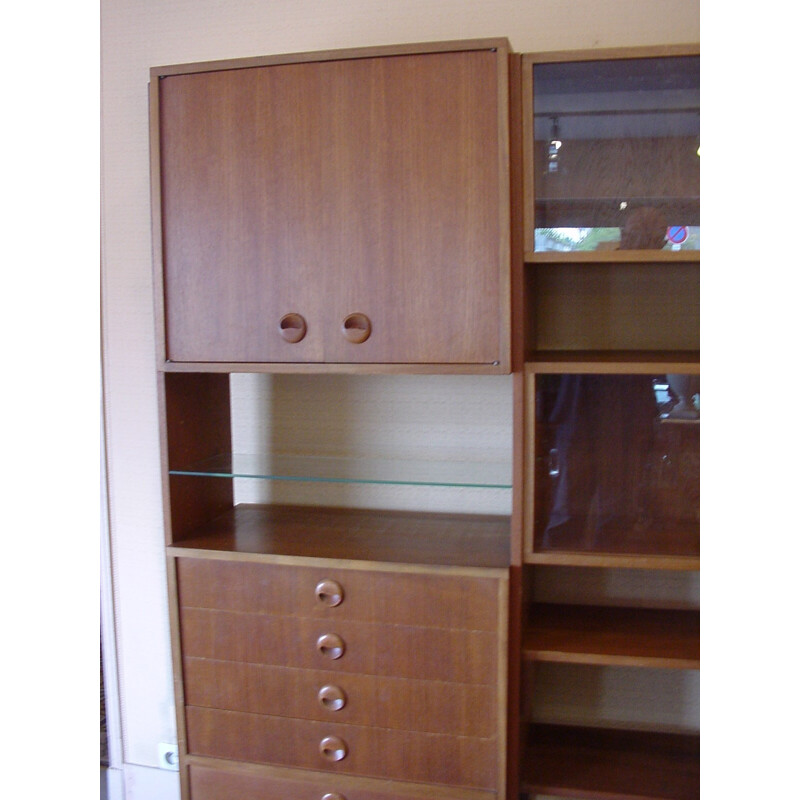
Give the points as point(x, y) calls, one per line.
point(372, 185)
point(240, 154)
point(415, 188)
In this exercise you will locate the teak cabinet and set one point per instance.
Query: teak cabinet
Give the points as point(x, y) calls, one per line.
point(437, 208)
point(609, 415)
point(341, 208)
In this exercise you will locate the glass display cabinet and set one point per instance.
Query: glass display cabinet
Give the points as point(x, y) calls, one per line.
point(610, 647)
point(616, 154)
point(617, 464)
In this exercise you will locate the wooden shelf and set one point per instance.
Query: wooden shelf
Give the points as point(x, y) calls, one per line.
point(599, 560)
point(614, 257)
point(610, 636)
point(398, 537)
point(613, 361)
point(605, 764)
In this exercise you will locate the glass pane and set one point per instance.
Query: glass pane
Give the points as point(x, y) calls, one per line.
point(617, 154)
point(618, 464)
point(491, 475)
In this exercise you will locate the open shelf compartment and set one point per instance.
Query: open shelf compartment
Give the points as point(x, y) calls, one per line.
point(611, 764)
point(612, 636)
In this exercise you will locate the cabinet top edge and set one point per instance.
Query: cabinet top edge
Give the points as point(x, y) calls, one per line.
point(340, 368)
point(356, 564)
point(609, 53)
point(500, 44)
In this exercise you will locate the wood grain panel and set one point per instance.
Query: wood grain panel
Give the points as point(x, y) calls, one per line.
point(239, 168)
point(422, 600)
point(245, 782)
point(414, 176)
point(370, 649)
point(401, 704)
point(332, 187)
point(616, 306)
point(378, 752)
point(420, 538)
point(196, 425)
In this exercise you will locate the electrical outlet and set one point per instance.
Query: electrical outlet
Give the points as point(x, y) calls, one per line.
point(168, 756)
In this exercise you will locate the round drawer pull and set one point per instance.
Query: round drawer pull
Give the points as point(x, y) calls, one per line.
point(292, 328)
point(356, 328)
point(331, 645)
point(333, 748)
point(333, 796)
point(329, 593)
point(332, 698)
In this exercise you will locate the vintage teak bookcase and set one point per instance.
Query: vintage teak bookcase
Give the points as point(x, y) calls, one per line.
point(406, 210)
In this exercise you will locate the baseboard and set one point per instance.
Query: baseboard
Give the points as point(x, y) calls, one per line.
point(133, 782)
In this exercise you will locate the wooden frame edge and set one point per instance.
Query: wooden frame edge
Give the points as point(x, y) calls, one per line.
point(501, 44)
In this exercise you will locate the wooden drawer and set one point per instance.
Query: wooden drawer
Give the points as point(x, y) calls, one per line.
point(207, 783)
point(397, 703)
point(421, 599)
point(458, 656)
point(376, 752)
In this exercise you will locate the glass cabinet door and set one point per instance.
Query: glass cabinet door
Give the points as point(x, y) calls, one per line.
point(617, 464)
point(616, 154)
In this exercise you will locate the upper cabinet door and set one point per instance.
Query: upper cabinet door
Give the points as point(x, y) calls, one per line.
point(351, 209)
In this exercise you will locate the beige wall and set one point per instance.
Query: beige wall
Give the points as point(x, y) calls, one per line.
point(138, 34)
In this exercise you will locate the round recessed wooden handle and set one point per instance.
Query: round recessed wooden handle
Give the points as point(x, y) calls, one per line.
point(331, 645)
point(356, 328)
point(292, 328)
point(333, 796)
point(329, 593)
point(333, 748)
point(332, 697)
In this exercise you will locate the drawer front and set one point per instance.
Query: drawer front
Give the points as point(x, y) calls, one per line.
point(458, 656)
point(393, 598)
point(396, 703)
point(207, 783)
point(343, 749)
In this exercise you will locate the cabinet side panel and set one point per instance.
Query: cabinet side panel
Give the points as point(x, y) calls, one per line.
point(197, 418)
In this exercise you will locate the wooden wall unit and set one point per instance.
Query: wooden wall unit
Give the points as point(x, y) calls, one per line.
point(371, 211)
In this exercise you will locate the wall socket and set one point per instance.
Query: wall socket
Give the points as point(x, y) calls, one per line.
point(168, 756)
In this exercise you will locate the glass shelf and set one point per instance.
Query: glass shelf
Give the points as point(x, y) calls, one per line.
point(324, 469)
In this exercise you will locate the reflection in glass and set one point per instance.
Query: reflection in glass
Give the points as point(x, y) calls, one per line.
point(616, 154)
point(618, 464)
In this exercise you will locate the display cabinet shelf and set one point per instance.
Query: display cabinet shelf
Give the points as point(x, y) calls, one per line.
point(612, 361)
point(614, 257)
point(397, 537)
point(611, 636)
point(330, 469)
point(610, 764)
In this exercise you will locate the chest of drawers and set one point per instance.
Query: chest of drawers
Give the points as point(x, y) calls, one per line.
point(386, 674)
